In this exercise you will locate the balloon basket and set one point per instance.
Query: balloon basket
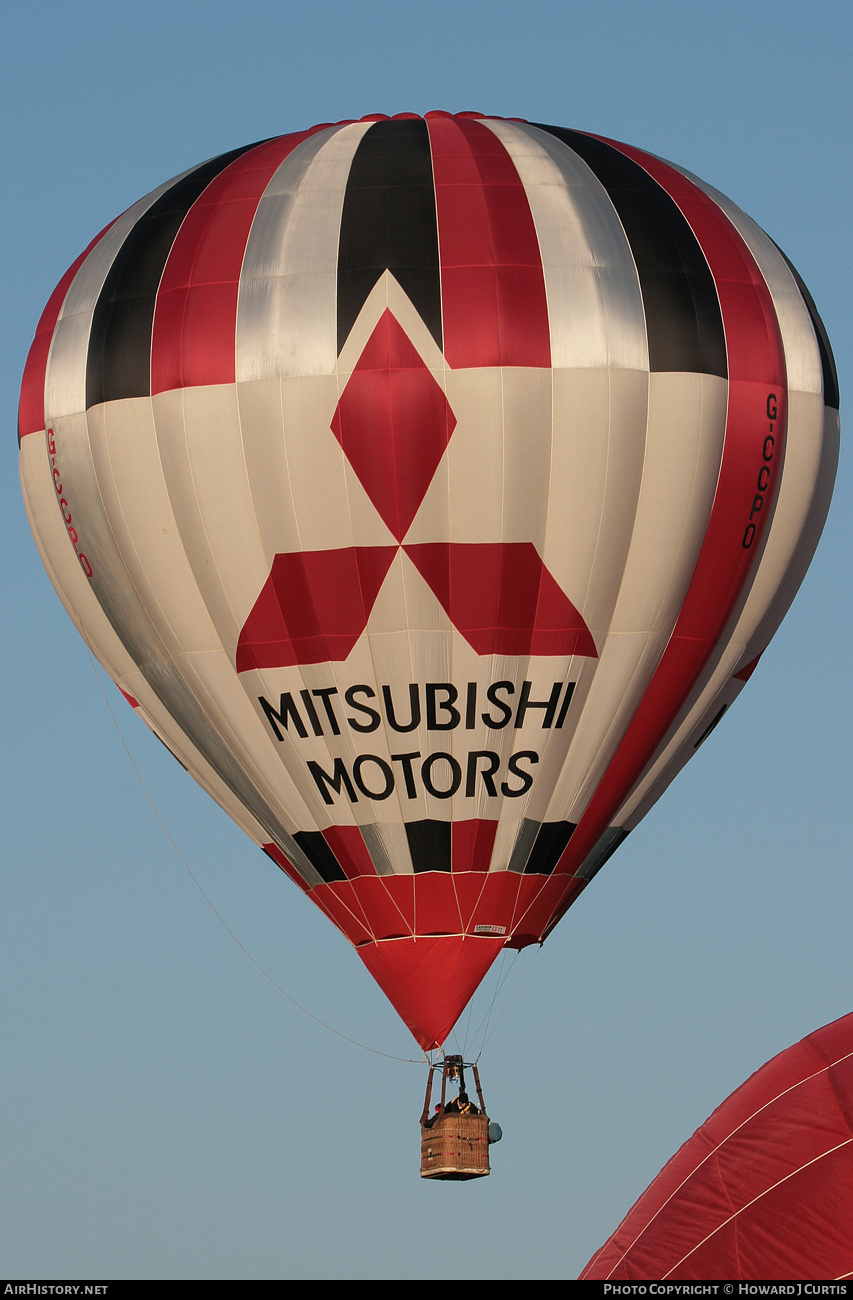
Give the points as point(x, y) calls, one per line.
point(455, 1140)
point(456, 1147)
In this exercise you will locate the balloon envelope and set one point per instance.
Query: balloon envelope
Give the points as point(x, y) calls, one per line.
point(430, 486)
point(764, 1189)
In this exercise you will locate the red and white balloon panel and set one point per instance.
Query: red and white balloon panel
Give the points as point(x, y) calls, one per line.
point(430, 486)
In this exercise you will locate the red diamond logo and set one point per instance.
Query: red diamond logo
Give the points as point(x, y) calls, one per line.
point(394, 422)
point(502, 599)
point(313, 607)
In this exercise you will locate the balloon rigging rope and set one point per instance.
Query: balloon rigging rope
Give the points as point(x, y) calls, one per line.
point(483, 1027)
point(502, 979)
point(403, 1059)
point(484, 1019)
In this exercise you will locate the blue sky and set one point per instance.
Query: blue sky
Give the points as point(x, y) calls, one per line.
point(167, 1113)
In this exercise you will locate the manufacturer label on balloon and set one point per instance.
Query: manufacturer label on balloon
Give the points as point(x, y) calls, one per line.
point(490, 929)
point(423, 707)
point(437, 774)
point(439, 705)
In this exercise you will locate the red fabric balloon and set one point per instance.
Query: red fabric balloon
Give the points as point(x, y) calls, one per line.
point(764, 1189)
point(432, 486)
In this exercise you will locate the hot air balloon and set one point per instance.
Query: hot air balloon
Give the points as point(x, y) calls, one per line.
point(764, 1189)
point(430, 487)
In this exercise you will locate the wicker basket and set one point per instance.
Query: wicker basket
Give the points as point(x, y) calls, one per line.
point(457, 1146)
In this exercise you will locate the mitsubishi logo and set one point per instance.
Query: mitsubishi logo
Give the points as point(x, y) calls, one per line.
point(393, 422)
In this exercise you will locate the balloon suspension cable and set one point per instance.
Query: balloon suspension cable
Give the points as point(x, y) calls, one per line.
point(503, 976)
point(463, 1039)
point(525, 972)
point(404, 1060)
point(503, 980)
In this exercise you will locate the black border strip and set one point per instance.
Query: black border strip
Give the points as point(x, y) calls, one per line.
point(430, 844)
point(684, 323)
point(119, 358)
point(389, 223)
